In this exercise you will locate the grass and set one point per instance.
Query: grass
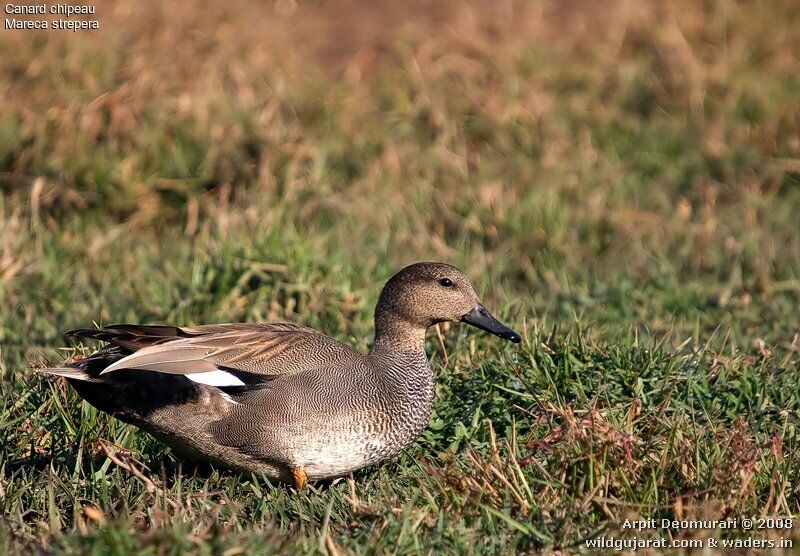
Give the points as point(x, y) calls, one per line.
point(623, 185)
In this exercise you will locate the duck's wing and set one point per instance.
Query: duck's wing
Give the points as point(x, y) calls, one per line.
point(225, 354)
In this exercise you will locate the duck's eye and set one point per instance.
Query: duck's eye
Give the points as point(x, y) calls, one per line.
point(446, 282)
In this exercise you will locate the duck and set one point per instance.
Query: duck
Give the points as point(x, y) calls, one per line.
point(282, 399)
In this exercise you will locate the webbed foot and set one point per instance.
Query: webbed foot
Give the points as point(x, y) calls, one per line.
point(300, 478)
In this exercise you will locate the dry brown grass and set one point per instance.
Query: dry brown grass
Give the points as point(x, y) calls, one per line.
point(631, 168)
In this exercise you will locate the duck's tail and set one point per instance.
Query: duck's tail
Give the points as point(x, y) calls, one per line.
point(87, 369)
point(68, 372)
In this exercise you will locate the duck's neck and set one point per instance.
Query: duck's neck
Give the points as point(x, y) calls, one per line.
point(395, 335)
point(405, 379)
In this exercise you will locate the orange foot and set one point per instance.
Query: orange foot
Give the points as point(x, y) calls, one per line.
point(300, 478)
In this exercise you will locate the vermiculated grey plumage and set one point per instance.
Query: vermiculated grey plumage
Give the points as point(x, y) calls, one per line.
point(297, 398)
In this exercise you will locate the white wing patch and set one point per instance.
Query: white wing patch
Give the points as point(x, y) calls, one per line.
point(228, 399)
point(215, 378)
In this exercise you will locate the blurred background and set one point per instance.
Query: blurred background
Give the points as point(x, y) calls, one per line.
point(633, 165)
point(621, 181)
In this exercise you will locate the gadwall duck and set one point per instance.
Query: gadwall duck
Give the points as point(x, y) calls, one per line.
point(282, 399)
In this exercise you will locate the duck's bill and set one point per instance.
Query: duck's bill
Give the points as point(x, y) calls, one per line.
point(480, 317)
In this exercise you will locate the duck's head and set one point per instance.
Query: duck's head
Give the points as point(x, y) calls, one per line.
point(424, 294)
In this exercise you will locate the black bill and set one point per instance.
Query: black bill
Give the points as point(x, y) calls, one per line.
point(480, 317)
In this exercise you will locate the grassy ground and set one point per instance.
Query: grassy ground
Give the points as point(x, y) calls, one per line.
point(622, 184)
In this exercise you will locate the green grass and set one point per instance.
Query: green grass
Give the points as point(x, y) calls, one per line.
point(625, 191)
